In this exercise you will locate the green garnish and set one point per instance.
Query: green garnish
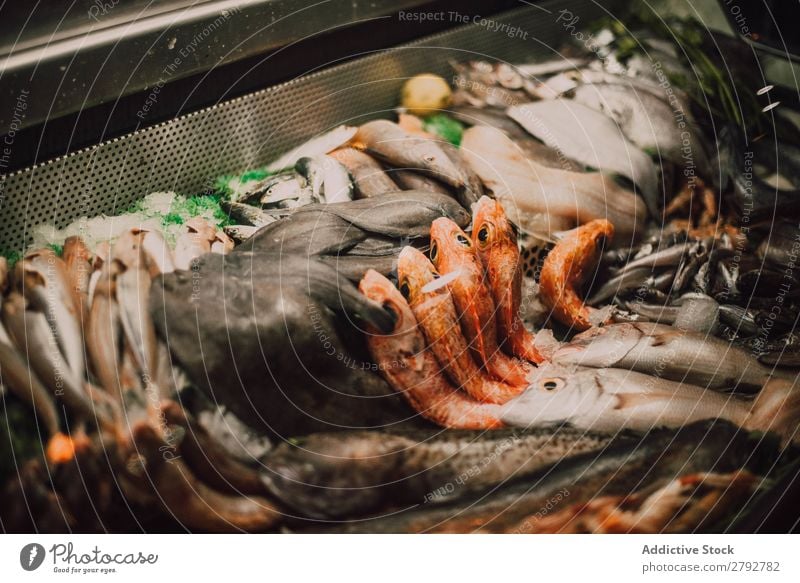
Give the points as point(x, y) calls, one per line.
point(445, 127)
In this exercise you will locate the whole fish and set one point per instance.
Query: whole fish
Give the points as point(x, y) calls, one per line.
point(329, 179)
point(34, 337)
point(307, 233)
point(406, 213)
point(190, 501)
point(246, 214)
point(20, 380)
point(133, 298)
point(550, 198)
point(496, 241)
point(412, 180)
point(285, 190)
point(322, 144)
point(263, 320)
point(391, 143)
point(639, 278)
point(369, 177)
point(411, 369)
point(647, 121)
point(354, 473)
point(452, 251)
point(612, 399)
point(43, 277)
point(567, 267)
point(599, 143)
point(104, 330)
point(670, 352)
point(624, 466)
point(77, 260)
point(435, 311)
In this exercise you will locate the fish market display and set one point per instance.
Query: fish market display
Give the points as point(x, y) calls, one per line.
point(529, 300)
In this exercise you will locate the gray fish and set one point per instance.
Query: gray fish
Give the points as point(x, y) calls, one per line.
point(311, 232)
point(623, 467)
point(597, 142)
point(407, 213)
point(613, 399)
point(780, 244)
point(668, 257)
point(675, 354)
point(353, 267)
point(246, 214)
point(252, 339)
point(369, 177)
point(347, 474)
point(393, 144)
point(412, 180)
point(628, 280)
point(287, 189)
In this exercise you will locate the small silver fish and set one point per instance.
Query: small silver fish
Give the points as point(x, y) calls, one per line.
point(612, 399)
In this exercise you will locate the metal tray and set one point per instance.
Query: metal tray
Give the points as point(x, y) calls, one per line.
point(188, 153)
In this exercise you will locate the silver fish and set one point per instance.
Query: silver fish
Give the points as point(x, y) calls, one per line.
point(17, 377)
point(613, 399)
point(537, 197)
point(133, 296)
point(328, 179)
point(590, 138)
point(322, 144)
point(647, 121)
point(669, 352)
point(43, 278)
point(32, 334)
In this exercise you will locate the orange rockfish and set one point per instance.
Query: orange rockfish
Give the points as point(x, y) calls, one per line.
point(407, 365)
point(496, 241)
point(433, 307)
point(565, 269)
point(452, 251)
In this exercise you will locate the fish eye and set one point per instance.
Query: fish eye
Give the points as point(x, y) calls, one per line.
point(390, 309)
point(463, 240)
point(483, 235)
point(434, 253)
point(405, 290)
point(551, 384)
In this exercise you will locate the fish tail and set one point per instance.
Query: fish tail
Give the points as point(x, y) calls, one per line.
point(776, 409)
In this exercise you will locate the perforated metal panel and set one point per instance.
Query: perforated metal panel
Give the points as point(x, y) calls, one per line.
point(187, 154)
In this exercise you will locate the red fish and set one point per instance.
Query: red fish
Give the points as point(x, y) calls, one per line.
point(411, 369)
point(452, 251)
point(565, 269)
point(434, 309)
point(497, 246)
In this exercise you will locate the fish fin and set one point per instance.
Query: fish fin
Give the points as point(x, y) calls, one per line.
point(664, 338)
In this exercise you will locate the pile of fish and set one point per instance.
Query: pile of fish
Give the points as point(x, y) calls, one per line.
point(402, 335)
